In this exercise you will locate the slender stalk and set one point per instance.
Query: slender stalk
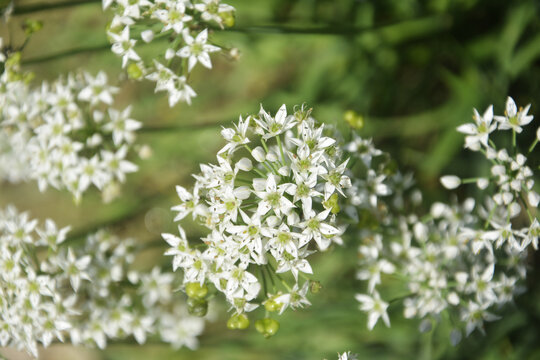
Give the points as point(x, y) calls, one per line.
point(281, 150)
point(68, 53)
point(415, 28)
point(433, 22)
point(533, 145)
point(28, 9)
point(180, 128)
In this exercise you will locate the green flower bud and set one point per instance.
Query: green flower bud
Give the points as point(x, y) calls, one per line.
point(228, 18)
point(197, 307)
point(272, 305)
point(354, 120)
point(315, 286)
point(332, 203)
point(134, 71)
point(196, 291)
point(32, 26)
point(238, 321)
point(268, 327)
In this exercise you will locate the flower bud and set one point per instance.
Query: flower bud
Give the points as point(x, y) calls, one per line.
point(228, 18)
point(332, 203)
point(169, 54)
point(482, 183)
point(234, 53)
point(238, 321)
point(244, 164)
point(450, 181)
point(272, 157)
point(147, 36)
point(32, 26)
point(354, 120)
point(197, 307)
point(315, 286)
point(258, 154)
point(268, 327)
point(134, 71)
point(272, 305)
point(196, 291)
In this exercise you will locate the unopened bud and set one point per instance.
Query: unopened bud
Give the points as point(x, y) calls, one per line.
point(268, 327)
point(196, 291)
point(134, 71)
point(238, 322)
point(315, 286)
point(197, 307)
point(354, 120)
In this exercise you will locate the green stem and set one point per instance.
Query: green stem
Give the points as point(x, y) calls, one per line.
point(281, 149)
point(187, 127)
point(67, 53)
point(419, 26)
point(264, 145)
point(533, 145)
point(526, 206)
point(411, 29)
point(28, 9)
point(490, 216)
point(263, 277)
point(427, 346)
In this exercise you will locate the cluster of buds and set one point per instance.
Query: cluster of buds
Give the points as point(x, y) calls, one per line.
point(64, 134)
point(52, 290)
point(268, 204)
point(185, 24)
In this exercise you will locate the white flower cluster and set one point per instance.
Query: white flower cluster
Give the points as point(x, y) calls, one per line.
point(463, 261)
point(512, 178)
point(270, 198)
point(185, 23)
point(64, 134)
point(50, 292)
point(347, 356)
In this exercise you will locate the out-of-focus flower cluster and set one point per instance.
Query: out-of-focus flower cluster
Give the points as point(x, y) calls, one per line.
point(63, 134)
point(86, 295)
point(268, 203)
point(465, 261)
point(185, 24)
point(347, 356)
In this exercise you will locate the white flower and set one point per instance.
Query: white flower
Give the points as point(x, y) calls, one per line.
point(262, 207)
point(174, 17)
point(275, 125)
point(122, 126)
point(97, 89)
point(197, 50)
point(347, 356)
point(513, 118)
point(475, 315)
point(375, 307)
point(123, 46)
point(478, 133)
point(272, 197)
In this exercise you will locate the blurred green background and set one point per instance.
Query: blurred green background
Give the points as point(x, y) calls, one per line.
point(413, 69)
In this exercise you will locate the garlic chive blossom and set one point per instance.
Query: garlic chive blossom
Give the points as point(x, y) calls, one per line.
point(85, 295)
point(187, 24)
point(268, 203)
point(464, 261)
point(65, 134)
